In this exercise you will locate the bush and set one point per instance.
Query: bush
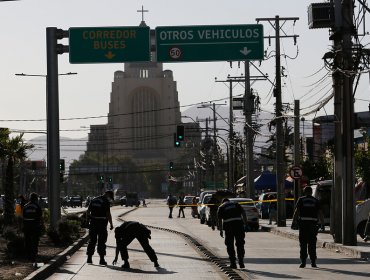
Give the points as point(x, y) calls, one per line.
point(68, 230)
point(15, 244)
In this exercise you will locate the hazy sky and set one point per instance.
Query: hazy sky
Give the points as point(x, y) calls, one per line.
point(86, 95)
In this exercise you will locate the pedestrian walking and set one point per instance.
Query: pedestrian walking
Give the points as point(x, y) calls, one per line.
point(306, 215)
point(181, 205)
point(272, 208)
point(367, 230)
point(171, 202)
point(233, 220)
point(99, 215)
point(32, 226)
point(125, 234)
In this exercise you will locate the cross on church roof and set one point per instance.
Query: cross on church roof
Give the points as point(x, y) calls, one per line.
point(142, 11)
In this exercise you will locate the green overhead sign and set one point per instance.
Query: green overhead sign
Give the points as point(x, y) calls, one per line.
point(209, 43)
point(109, 44)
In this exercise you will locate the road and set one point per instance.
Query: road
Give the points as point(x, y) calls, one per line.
point(267, 255)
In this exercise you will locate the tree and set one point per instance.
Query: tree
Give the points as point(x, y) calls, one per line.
point(13, 151)
point(362, 163)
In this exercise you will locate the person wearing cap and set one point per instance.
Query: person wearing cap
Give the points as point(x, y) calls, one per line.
point(125, 234)
point(232, 219)
point(306, 215)
point(32, 225)
point(99, 215)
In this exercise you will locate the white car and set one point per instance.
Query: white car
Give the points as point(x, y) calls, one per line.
point(250, 210)
point(202, 207)
point(362, 214)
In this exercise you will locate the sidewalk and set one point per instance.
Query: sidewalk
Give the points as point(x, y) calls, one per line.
point(324, 240)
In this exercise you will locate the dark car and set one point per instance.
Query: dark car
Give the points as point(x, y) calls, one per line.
point(75, 201)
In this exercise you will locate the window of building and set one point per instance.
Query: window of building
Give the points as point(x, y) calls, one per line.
point(144, 73)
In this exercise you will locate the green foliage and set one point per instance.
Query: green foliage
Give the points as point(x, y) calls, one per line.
point(362, 163)
point(68, 230)
point(15, 242)
point(322, 168)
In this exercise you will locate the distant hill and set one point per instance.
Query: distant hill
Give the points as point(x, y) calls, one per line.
point(70, 149)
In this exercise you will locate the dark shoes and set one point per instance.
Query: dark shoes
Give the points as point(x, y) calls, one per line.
point(233, 265)
point(367, 238)
point(126, 265)
point(156, 264)
point(313, 264)
point(302, 265)
point(102, 261)
point(89, 259)
point(241, 264)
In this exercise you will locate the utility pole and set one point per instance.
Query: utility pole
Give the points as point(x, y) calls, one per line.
point(280, 148)
point(249, 133)
point(297, 145)
point(348, 226)
point(215, 151)
point(336, 195)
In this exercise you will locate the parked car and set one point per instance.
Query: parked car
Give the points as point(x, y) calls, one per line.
point(122, 200)
point(202, 207)
point(188, 200)
point(250, 210)
point(132, 199)
point(362, 213)
point(75, 201)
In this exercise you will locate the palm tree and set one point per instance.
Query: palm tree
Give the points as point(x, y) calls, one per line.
point(12, 151)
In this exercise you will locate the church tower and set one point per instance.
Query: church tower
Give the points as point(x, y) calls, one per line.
point(143, 112)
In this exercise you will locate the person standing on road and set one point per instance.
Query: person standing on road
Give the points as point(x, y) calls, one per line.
point(272, 208)
point(232, 219)
point(306, 214)
point(99, 215)
point(367, 230)
point(32, 225)
point(171, 202)
point(125, 234)
point(181, 204)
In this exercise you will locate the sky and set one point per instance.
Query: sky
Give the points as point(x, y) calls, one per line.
point(84, 98)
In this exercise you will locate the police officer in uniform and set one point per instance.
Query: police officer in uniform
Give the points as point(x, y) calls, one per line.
point(306, 214)
point(125, 234)
point(99, 214)
point(232, 219)
point(32, 224)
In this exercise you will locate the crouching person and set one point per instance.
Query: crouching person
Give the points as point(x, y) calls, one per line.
point(125, 234)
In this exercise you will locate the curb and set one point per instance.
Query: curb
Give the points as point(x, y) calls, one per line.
point(48, 269)
point(351, 251)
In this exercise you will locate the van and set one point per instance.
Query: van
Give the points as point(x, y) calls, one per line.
point(321, 190)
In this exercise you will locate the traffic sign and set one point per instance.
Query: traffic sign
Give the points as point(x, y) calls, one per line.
point(296, 172)
point(109, 44)
point(209, 43)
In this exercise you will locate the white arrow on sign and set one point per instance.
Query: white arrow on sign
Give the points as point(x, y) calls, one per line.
point(245, 51)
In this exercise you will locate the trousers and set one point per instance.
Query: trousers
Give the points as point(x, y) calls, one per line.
point(98, 234)
point(234, 232)
point(307, 239)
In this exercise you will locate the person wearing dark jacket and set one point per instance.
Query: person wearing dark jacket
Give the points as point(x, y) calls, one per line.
point(306, 214)
point(232, 219)
point(125, 234)
point(99, 215)
point(32, 225)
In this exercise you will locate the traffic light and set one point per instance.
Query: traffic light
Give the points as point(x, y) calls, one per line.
point(180, 133)
point(171, 166)
point(110, 179)
point(62, 165)
point(101, 178)
point(176, 142)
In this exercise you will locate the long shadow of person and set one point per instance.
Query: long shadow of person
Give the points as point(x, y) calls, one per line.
point(160, 270)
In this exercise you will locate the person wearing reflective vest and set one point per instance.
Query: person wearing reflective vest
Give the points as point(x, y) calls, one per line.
point(99, 215)
point(32, 225)
point(232, 219)
point(306, 214)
